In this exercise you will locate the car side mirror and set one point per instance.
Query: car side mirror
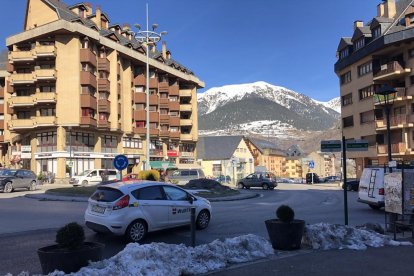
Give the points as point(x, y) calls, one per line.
point(191, 199)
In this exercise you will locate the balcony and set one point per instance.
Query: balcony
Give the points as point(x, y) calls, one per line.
point(140, 115)
point(9, 67)
point(153, 99)
point(140, 131)
point(174, 121)
point(185, 93)
point(396, 148)
point(175, 106)
point(154, 132)
point(186, 137)
point(21, 56)
point(45, 121)
point(154, 117)
point(22, 79)
point(140, 97)
point(1, 138)
point(2, 112)
point(103, 124)
point(88, 101)
point(401, 94)
point(87, 78)
point(165, 118)
point(391, 70)
point(164, 133)
point(21, 124)
point(86, 55)
point(22, 101)
point(186, 122)
point(156, 152)
point(104, 85)
point(139, 80)
point(399, 121)
point(45, 97)
point(153, 83)
point(164, 102)
point(1, 92)
point(45, 50)
point(175, 134)
point(45, 74)
point(186, 107)
point(173, 90)
point(103, 64)
point(163, 86)
point(187, 154)
point(104, 106)
point(88, 121)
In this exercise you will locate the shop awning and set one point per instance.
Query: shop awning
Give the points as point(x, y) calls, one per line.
point(161, 165)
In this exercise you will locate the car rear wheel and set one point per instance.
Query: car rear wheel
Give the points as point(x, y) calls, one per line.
point(85, 183)
point(32, 186)
point(203, 219)
point(8, 188)
point(136, 231)
point(265, 186)
point(375, 207)
point(240, 186)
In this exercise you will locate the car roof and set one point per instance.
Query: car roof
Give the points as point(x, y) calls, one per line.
point(126, 186)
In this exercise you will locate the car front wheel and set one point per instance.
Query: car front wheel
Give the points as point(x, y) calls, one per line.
point(203, 219)
point(136, 231)
point(32, 186)
point(240, 186)
point(8, 188)
point(265, 186)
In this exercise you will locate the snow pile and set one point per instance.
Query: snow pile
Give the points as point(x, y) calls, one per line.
point(171, 259)
point(334, 236)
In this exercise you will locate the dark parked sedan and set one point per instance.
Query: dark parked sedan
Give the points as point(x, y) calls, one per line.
point(351, 185)
point(16, 179)
point(266, 180)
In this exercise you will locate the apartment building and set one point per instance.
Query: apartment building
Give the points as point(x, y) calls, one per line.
point(378, 53)
point(74, 96)
point(294, 167)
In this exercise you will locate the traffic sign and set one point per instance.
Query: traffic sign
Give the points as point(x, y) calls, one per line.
point(357, 145)
point(331, 146)
point(120, 162)
point(311, 164)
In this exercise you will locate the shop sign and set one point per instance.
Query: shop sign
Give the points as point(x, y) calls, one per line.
point(172, 153)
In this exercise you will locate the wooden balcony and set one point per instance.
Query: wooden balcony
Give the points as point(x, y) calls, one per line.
point(87, 78)
point(45, 97)
point(139, 80)
point(396, 148)
point(401, 94)
point(104, 106)
point(173, 90)
point(22, 101)
point(142, 131)
point(153, 99)
point(22, 79)
point(390, 71)
point(185, 93)
point(165, 118)
point(45, 50)
point(174, 106)
point(45, 74)
point(103, 124)
point(88, 101)
point(175, 135)
point(2, 111)
point(21, 56)
point(163, 86)
point(104, 85)
point(140, 97)
point(103, 64)
point(1, 92)
point(165, 133)
point(398, 121)
point(164, 102)
point(174, 121)
point(153, 83)
point(186, 107)
point(186, 122)
point(1, 124)
point(154, 117)
point(140, 115)
point(86, 55)
point(154, 132)
point(88, 121)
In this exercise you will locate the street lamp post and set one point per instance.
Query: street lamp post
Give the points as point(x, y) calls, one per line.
point(149, 38)
point(70, 152)
point(385, 96)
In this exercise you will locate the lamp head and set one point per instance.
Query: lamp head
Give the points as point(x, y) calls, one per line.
point(163, 33)
point(136, 25)
point(154, 26)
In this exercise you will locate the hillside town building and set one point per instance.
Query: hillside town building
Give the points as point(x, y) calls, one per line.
point(379, 53)
point(73, 96)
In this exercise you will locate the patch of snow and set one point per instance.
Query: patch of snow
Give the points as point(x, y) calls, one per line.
point(335, 236)
point(334, 104)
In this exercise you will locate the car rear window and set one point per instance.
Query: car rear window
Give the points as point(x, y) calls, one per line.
point(106, 194)
point(185, 173)
point(193, 172)
point(149, 193)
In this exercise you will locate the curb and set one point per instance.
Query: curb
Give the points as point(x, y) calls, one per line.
point(234, 198)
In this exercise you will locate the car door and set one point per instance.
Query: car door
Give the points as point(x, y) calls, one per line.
point(154, 206)
point(248, 180)
point(94, 176)
point(18, 181)
point(180, 210)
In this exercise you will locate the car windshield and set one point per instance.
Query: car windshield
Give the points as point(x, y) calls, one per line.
point(270, 175)
point(85, 173)
point(7, 172)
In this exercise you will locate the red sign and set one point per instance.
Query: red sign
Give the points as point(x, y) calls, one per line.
point(172, 153)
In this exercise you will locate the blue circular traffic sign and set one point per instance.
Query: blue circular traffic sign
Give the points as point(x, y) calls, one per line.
point(120, 162)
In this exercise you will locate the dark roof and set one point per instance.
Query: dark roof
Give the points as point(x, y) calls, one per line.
point(217, 147)
point(65, 13)
point(294, 151)
point(261, 145)
point(343, 43)
point(361, 31)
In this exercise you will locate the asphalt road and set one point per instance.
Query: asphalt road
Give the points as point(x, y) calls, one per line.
point(27, 224)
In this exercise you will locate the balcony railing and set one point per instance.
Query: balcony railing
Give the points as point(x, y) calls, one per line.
point(175, 134)
point(186, 122)
point(27, 78)
point(87, 78)
point(185, 93)
point(186, 107)
point(104, 106)
point(45, 50)
point(390, 70)
point(157, 152)
point(186, 137)
point(21, 56)
point(86, 55)
point(103, 64)
point(22, 101)
point(104, 85)
point(395, 121)
point(45, 74)
point(395, 148)
point(163, 86)
point(45, 97)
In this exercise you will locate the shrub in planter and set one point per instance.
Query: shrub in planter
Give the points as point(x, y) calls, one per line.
point(71, 252)
point(285, 232)
point(152, 175)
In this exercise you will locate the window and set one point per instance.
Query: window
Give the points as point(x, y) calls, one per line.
point(364, 69)
point(140, 107)
point(140, 123)
point(139, 89)
point(174, 98)
point(88, 112)
point(344, 53)
point(47, 141)
point(22, 92)
point(103, 75)
point(348, 121)
point(164, 111)
point(366, 92)
point(376, 32)
point(109, 143)
point(186, 147)
point(164, 95)
point(359, 43)
point(164, 127)
point(149, 193)
point(173, 193)
point(366, 117)
point(174, 113)
point(24, 114)
point(153, 108)
point(153, 91)
point(412, 80)
point(346, 78)
point(103, 96)
point(134, 143)
point(47, 112)
point(174, 129)
point(103, 116)
point(347, 99)
point(87, 89)
point(83, 142)
point(47, 88)
point(153, 125)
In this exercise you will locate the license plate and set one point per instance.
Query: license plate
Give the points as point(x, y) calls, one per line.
point(98, 209)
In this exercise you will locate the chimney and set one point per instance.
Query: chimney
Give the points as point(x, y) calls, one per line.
point(358, 23)
point(380, 10)
point(98, 15)
point(153, 48)
point(390, 10)
point(126, 27)
point(164, 50)
point(89, 8)
point(168, 54)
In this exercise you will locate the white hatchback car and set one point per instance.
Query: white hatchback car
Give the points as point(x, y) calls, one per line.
point(133, 208)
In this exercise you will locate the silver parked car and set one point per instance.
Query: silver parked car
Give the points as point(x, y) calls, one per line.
point(182, 176)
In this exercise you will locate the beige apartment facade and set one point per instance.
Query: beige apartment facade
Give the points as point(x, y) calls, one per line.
point(74, 95)
point(379, 53)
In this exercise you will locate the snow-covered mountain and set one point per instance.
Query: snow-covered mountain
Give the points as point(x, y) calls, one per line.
point(261, 108)
point(334, 104)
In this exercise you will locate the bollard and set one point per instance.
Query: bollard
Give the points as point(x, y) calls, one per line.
point(193, 226)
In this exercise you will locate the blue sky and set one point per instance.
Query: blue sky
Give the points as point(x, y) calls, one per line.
point(283, 42)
